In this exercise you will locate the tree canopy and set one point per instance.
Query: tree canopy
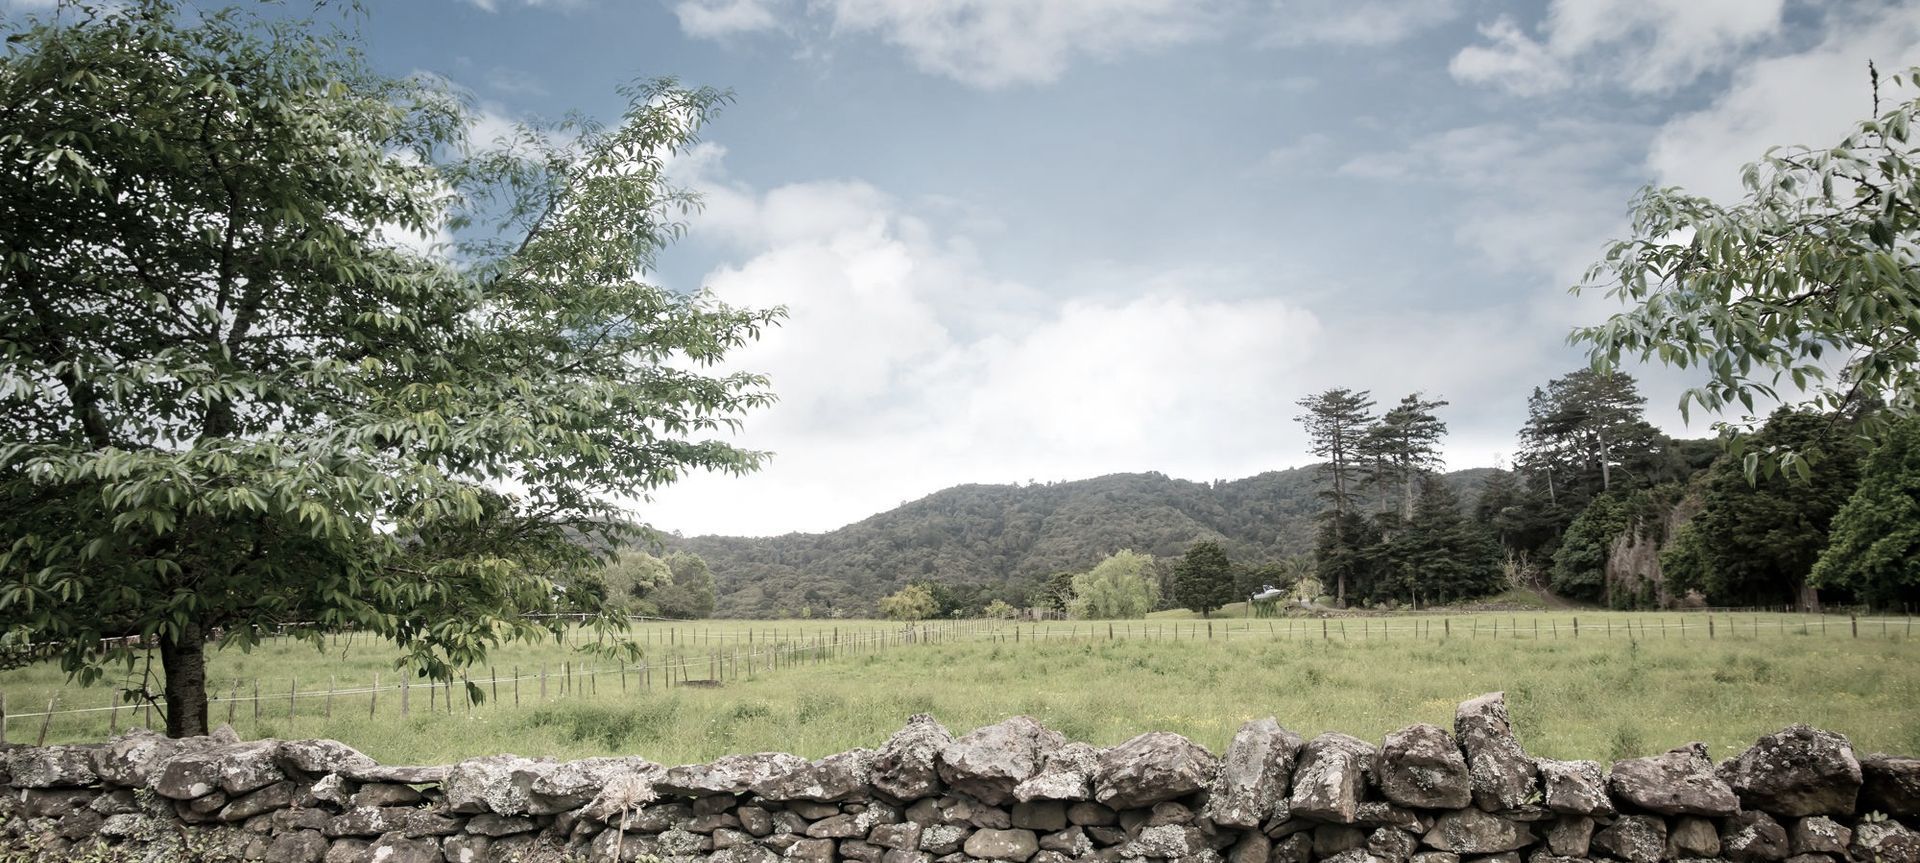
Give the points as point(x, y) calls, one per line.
point(1875, 548)
point(1203, 579)
point(1121, 586)
point(234, 400)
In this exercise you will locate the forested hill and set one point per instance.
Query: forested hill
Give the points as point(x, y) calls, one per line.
point(1004, 540)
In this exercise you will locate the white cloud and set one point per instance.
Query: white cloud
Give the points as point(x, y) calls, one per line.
point(1291, 156)
point(1647, 46)
point(998, 43)
point(1356, 22)
point(716, 19)
point(1811, 98)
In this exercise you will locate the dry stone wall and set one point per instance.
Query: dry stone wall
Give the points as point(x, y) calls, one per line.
point(1014, 791)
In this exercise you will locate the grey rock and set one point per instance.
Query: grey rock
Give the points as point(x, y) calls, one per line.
point(250, 766)
point(1392, 843)
point(334, 789)
point(1255, 774)
point(1150, 768)
point(1680, 782)
point(1885, 842)
point(680, 843)
point(187, 775)
point(1573, 787)
point(1067, 774)
point(368, 821)
point(905, 856)
point(714, 804)
point(728, 837)
point(1503, 777)
point(1357, 855)
point(300, 846)
point(289, 820)
point(1811, 858)
point(1379, 813)
point(1253, 847)
point(555, 788)
point(1072, 842)
point(347, 851)
point(1167, 840)
point(1090, 814)
point(854, 849)
point(1634, 839)
point(1502, 857)
point(317, 757)
point(811, 851)
point(130, 758)
point(1891, 785)
point(755, 820)
point(466, 849)
point(384, 794)
point(1013, 844)
point(1819, 835)
point(1043, 815)
point(731, 774)
point(1753, 837)
point(1474, 831)
point(52, 767)
point(501, 784)
point(54, 802)
point(1331, 839)
point(1296, 848)
point(712, 823)
point(905, 837)
point(988, 763)
point(128, 826)
point(1692, 836)
point(743, 854)
point(490, 824)
point(1571, 834)
point(942, 838)
point(1796, 772)
point(405, 775)
point(837, 827)
point(1168, 812)
point(119, 801)
point(428, 822)
point(843, 776)
point(394, 848)
point(907, 765)
point(1421, 766)
point(1434, 857)
point(660, 816)
point(279, 795)
point(812, 810)
point(1330, 778)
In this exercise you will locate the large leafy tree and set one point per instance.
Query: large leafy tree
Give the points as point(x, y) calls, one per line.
point(1816, 266)
point(1121, 586)
point(1203, 579)
point(1404, 446)
point(232, 402)
point(1439, 555)
point(1587, 433)
point(1875, 547)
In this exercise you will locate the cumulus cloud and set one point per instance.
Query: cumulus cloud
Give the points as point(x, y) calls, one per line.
point(1355, 22)
point(716, 19)
point(1647, 46)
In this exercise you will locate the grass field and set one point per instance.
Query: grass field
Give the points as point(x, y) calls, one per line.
point(1628, 684)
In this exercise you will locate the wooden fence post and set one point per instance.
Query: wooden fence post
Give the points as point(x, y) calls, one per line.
point(373, 697)
point(46, 720)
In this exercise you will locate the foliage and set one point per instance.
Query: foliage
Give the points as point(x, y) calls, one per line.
point(1056, 594)
point(1580, 563)
point(690, 594)
point(1336, 422)
point(233, 401)
point(1439, 555)
point(1813, 263)
point(1401, 447)
point(1343, 554)
point(1203, 579)
point(1759, 537)
point(1000, 610)
point(1875, 548)
point(913, 602)
point(630, 578)
point(1582, 430)
point(1122, 586)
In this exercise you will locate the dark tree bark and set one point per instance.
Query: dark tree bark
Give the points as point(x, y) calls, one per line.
point(184, 660)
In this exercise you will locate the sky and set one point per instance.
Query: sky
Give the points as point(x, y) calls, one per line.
point(1043, 240)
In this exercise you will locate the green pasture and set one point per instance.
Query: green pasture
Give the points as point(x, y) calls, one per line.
point(1628, 684)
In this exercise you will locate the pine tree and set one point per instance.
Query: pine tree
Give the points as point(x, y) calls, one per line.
point(1336, 422)
point(1875, 549)
point(1203, 579)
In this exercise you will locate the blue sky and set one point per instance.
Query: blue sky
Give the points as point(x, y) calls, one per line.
point(1050, 239)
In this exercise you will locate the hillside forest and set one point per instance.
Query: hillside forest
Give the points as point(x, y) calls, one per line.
point(1597, 507)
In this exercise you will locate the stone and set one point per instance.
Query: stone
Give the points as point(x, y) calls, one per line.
point(1167, 840)
point(299, 846)
point(837, 827)
point(1680, 782)
point(1818, 835)
point(347, 851)
point(128, 826)
point(1150, 768)
point(1421, 766)
point(1330, 778)
point(1357, 855)
point(905, 837)
point(1573, 787)
point(393, 848)
point(1502, 776)
point(466, 849)
point(1692, 836)
point(1072, 842)
point(54, 802)
point(1753, 837)
point(1434, 857)
point(843, 776)
point(52, 767)
point(404, 775)
point(279, 795)
point(711, 823)
point(1379, 813)
point(1255, 774)
point(1331, 839)
point(755, 820)
point(319, 757)
point(714, 804)
point(1891, 786)
point(1475, 831)
point(500, 784)
point(368, 821)
point(490, 824)
point(1067, 774)
point(385, 794)
point(1796, 772)
point(730, 774)
point(1502, 857)
point(1392, 843)
point(906, 857)
point(727, 837)
point(187, 775)
point(1811, 858)
point(680, 843)
point(555, 788)
point(1571, 834)
point(812, 810)
point(129, 758)
point(942, 838)
point(427, 822)
point(811, 851)
point(854, 849)
point(1884, 842)
point(1045, 815)
point(1090, 814)
point(907, 765)
point(1634, 839)
point(119, 801)
point(743, 854)
point(288, 820)
point(657, 817)
point(1168, 812)
point(1297, 848)
point(1014, 844)
point(1253, 847)
point(332, 788)
point(244, 767)
point(988, 763)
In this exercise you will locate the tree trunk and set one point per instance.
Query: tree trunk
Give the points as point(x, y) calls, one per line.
point(184, 661)
point(1606, 466)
